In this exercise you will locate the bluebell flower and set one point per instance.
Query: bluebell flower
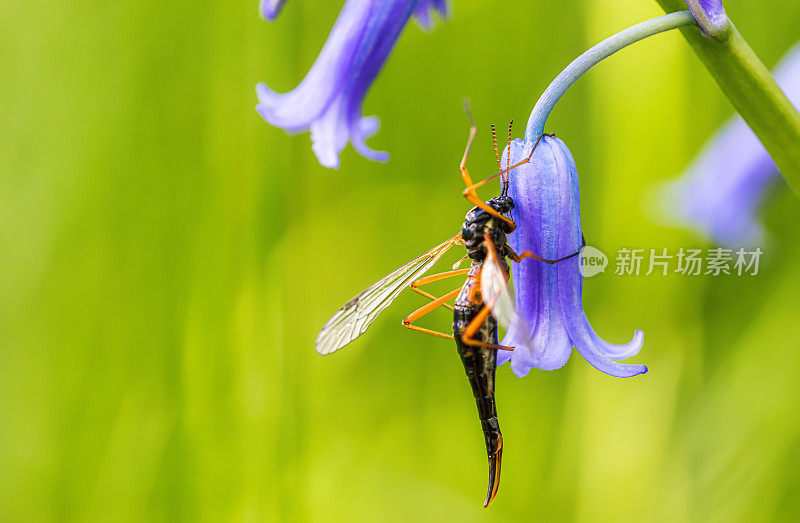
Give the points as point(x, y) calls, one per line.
point(548, 297)
point(329, 99)
point(720, 194)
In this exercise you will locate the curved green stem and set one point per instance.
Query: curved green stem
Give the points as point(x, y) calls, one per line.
point(592, 57)
point(753, 92)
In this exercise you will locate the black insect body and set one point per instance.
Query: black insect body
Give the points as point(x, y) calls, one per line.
point(480, 356)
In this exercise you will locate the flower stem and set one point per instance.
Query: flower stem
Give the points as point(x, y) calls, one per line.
point(753, 92)
point(592, 57)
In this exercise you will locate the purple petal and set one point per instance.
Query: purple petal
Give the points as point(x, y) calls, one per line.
point(329, 135)
point(721, 192)
point(270, 9)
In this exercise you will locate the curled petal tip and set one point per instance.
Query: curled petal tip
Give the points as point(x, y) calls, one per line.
point(620, 352)
point(601, 354)
point(369, 153)
point(618, 370)
point(364, 128)
point(326, 155)
point(711, 17)
point(601, 362)
point(263, 91)
point(378, 156)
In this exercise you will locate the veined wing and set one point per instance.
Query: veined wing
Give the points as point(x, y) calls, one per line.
point(494, 287)
point(353, 319)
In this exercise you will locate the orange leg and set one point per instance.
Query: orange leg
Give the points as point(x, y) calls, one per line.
point(434, 278)
point(425, 309)
point(472, 328)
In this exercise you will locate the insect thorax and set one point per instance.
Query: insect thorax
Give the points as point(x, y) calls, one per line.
point(478, 222)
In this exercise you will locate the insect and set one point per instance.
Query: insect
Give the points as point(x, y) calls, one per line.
point(480, 303)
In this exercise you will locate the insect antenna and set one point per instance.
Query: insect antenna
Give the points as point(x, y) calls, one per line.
point(504, 191)
point(496, 152)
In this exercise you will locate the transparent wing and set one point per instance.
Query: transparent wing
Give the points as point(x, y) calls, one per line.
point(494, 287)
point(353, 319)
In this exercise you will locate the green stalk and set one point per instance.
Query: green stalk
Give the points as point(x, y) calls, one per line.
point(752, 90)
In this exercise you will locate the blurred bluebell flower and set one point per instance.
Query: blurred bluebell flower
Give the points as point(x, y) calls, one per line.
point(721, 192)
point(329, 99)
point(548, 297)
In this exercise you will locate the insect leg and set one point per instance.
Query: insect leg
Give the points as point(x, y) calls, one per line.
point(459, 262)
point(434, 278)
point(469, 192)
point(425, 309)
point(527, 254)
point(472, 328)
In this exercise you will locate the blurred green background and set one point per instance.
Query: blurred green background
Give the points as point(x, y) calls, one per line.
point(168, 258)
